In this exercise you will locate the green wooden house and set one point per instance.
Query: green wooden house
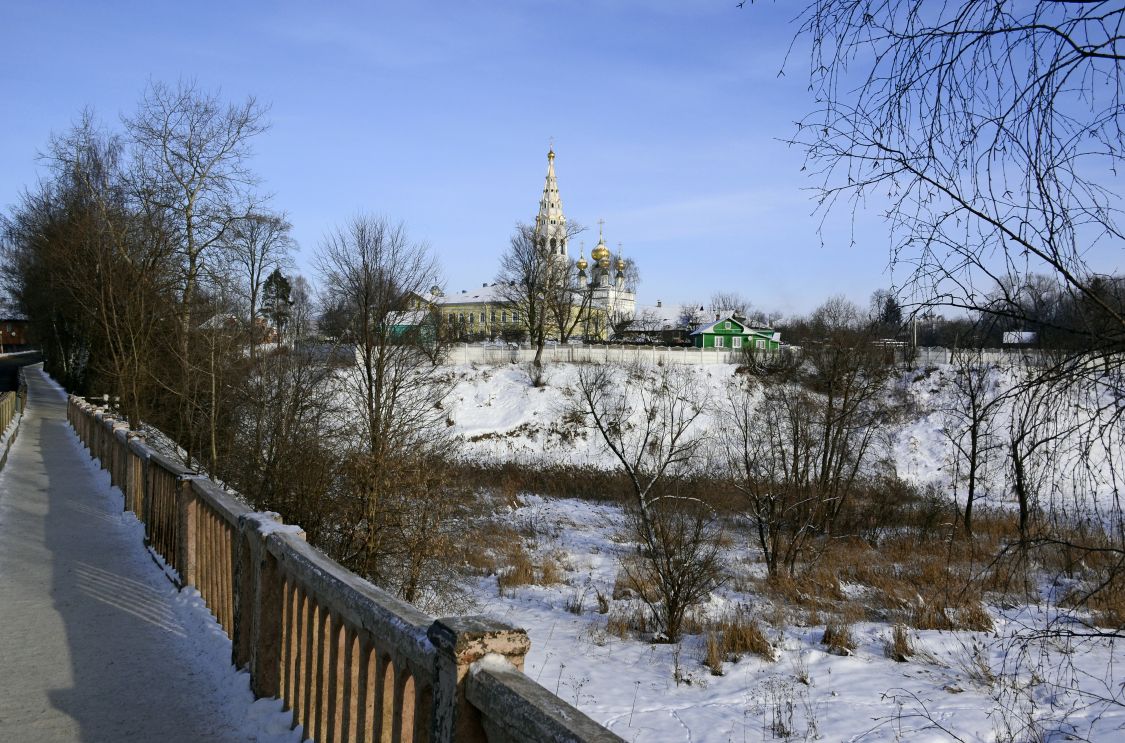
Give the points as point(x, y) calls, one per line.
point(732, 332)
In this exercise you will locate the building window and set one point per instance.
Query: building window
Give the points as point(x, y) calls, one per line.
point(726, 325)
point(718, 341)
point(736, 342)
point(504, 315)
point(492, 317)
point(515, 317)
point(761, 344)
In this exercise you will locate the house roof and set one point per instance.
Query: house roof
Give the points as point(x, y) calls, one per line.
point(408, 317)
point(484, 295)
point(1018, 337)
point(767, 333)
point(652, 318)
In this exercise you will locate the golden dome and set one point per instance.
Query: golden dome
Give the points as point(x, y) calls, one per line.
point(620, 263)
point(601, 252)
point(581, 263)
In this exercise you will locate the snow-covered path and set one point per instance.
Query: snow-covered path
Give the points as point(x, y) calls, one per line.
point(95, 643)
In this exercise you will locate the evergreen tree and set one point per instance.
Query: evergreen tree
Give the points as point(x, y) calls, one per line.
point(276, 300)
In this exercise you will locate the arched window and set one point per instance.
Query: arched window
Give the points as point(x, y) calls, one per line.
point(552, 240)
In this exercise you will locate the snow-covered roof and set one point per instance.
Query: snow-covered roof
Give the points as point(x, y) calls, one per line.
point(652, 317)
point(1018, 337)
point(409, 317)
point(484, 295)
point(741, 322)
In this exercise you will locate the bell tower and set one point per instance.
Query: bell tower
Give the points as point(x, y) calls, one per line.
point(550, 223)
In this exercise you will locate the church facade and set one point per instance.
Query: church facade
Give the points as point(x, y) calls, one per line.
point(603, 297)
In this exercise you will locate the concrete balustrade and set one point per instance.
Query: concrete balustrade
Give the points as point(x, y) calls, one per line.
point(351, 662)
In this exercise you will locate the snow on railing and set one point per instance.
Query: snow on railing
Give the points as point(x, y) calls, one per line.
point(351, 662)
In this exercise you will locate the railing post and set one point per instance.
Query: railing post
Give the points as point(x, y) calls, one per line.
point(460, 642)
point(119, 446)
point(187, 516)
point(256, 638)
point(134, 474)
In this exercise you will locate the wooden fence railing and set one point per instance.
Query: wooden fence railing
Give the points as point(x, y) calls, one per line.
point(12, 405)
point(351, 662)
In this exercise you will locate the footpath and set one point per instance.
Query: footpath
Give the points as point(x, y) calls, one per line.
point(95, 643)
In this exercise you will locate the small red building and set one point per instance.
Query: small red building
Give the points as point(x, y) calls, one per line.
point(13, 334)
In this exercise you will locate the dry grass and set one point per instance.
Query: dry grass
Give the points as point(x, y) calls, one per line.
point(734, 636)
point(898, 647)
point(518, 570)
point(551, 571)
point(918, 575)
point(838, 638)
point(635, 583)
point(627, 622)
point(909, 563)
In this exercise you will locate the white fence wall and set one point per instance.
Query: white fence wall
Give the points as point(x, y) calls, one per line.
point(474, 354)
point(466, 354)
point(1005, 356)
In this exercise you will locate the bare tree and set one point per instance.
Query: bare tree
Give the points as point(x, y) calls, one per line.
point(797, 446)
point(254, 247)
point(541, 286)
point(646, 418)
point(692, 316)
point(377, 273)
point(991, 127)
point(729, 302)
point(568, 302)
point(969, 425)
point(90, 268)
point(993, 131)
point(191, 173)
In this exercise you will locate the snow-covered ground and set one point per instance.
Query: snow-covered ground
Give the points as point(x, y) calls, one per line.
point(958, 681)
point(958, 685)
point(498, 416)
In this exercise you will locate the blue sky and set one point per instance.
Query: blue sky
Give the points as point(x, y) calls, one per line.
point(666, 118)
